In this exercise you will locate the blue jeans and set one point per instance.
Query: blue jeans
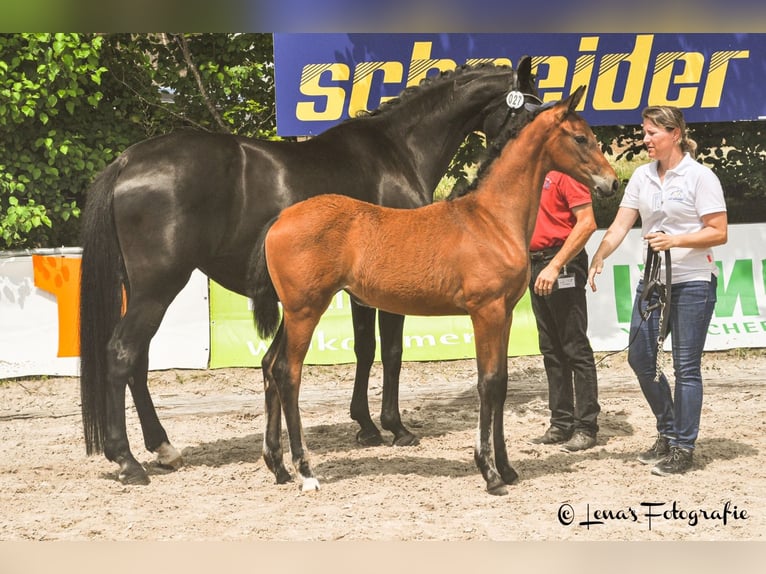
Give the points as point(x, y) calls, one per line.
point(691, 309)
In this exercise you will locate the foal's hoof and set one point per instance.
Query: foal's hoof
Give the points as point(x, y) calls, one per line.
point(369, 438)
point(509, 475)
point(406, 439)
point(310, 484)
point(134, 476)
point(283, 477)
point(497, 489)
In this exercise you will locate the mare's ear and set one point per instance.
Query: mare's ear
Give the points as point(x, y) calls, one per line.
point(524, 73)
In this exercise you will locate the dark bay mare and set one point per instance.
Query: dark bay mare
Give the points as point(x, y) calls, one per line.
point(192, 200)
point(465, 256)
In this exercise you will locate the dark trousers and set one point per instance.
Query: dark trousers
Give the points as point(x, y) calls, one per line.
point(562, 325)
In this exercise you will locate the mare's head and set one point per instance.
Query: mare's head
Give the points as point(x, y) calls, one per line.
point(572, 148)
point(472, 96)
point(511, 111)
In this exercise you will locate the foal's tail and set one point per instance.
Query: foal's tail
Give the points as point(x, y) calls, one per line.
point(101, 294)
point(261, 289)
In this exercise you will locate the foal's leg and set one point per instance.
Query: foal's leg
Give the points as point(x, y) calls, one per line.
point(501, 452)
point(364, 349)
point(490, 451)
point(272, 435)
point(391, 337)
point(288, 367)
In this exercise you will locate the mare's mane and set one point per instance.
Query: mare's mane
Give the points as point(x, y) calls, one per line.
point(427, 85)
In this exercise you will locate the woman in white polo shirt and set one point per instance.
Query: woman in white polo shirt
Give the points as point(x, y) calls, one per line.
point(682, 209)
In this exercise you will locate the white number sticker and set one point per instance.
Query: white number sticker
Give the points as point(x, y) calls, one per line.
point(514, 100)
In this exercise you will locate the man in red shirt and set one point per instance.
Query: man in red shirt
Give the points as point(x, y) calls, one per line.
point(559, 262)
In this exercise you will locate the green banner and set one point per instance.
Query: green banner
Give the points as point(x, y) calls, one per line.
point(235, 343)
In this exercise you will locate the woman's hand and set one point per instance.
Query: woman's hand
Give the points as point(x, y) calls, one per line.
point(659, 241)
point(596, 267)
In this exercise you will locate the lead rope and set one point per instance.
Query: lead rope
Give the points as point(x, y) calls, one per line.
point(652, 283)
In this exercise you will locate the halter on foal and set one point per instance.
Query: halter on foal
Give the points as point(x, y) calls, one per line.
point(467, 256)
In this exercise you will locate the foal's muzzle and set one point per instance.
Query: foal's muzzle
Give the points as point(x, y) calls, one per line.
point(605, 186)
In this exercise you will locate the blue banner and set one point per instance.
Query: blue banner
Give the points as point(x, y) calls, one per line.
point(322, 79)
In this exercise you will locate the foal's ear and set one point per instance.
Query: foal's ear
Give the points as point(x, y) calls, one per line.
point(575, 98)
point(569, 105)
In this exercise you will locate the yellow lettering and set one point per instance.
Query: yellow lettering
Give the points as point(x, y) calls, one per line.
point(637, 62)
point(495, 61)
point(556, 77)
point(583, 70)
point(677, 78)
point(335, 96)
point(663, 78)
point(393, 72)
point(421, 63)
point(719, 64)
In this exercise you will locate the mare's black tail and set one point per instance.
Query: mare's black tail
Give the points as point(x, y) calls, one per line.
point(101, 295)
point(261, 289)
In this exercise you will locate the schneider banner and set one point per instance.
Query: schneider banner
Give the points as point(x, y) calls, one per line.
point(322, 79)
point(739, 319)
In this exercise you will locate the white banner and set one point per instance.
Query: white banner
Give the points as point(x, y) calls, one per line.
point(740, 313)
point(33, 326)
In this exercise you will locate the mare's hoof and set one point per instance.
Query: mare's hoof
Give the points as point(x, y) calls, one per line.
point(407, 439)
point(369, 438)
point(310, 484)
point(168, 457)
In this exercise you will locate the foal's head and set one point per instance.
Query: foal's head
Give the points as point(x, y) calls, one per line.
point(504, 119)
point(572, 147)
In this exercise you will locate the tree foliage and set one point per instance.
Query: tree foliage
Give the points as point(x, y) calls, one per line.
point(70, 103)
point(735, 151)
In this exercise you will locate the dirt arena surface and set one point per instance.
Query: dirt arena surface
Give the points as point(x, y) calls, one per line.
point(50, 490)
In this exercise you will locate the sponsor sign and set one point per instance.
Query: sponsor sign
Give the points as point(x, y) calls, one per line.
point(322, 79)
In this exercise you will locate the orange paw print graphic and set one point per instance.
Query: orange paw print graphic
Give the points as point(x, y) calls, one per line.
point(60, 276)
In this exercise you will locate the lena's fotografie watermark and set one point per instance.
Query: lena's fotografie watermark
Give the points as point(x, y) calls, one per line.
point(650, 513)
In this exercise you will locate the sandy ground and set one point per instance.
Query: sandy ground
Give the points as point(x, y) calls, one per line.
point(50, 490)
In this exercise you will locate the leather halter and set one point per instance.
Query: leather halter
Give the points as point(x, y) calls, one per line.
point(535, 105)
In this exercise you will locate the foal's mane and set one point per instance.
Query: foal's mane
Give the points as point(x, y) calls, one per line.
point(492, 152)
point(429, 84)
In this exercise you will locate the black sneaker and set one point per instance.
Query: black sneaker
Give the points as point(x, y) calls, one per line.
point(554, 435)
point(678, 462)
point(579, 441)
point(659, 451)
